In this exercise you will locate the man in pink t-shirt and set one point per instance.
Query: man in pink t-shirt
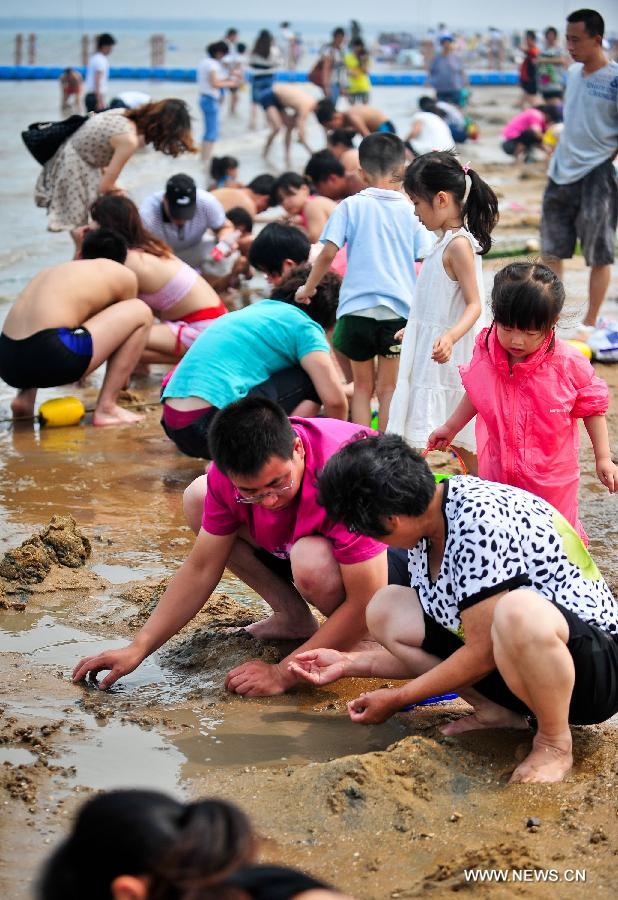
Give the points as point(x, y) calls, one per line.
point(257, 513)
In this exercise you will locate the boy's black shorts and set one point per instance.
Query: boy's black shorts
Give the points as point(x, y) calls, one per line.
point(361, 338)
point(595, 656)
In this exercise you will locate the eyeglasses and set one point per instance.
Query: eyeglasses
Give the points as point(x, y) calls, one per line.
point(273, 492)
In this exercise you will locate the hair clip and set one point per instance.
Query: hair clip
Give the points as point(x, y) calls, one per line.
point(466, 167)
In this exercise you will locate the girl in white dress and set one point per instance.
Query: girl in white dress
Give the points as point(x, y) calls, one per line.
point(447, 311)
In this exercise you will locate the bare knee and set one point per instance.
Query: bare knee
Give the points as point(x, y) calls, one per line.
point(143, 313)
point(193, 502)
point(385, 610)
point(317, 575)
point(522, 617)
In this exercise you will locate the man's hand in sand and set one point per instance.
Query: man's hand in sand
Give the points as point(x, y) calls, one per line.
point(319, 666)
point(303, 295)
point(374, 707)
point(118, 662)
point(257, 679)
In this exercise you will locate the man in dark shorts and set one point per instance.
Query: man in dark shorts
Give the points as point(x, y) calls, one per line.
point(256, 513)
point(501, 603)
point(69, 320)
point(581, 197)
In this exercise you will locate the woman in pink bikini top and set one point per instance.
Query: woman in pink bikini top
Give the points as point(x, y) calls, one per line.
point(181, 299)
point(307, 211)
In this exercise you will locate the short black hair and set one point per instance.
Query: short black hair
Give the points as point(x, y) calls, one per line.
point(594, 22)
point(240, 47)
point(380, 154)
point(531, 34)
point(325, 110)
point(343, 136)
point(245, 435)
point(372, 478)
point(322, 165)
point(324, 303)
point(276, 243)
point(262, 185)
point(217, 47)
point(104, 243)
point(338, 32)
point(239, 216)
point(105, 40)
point(551, 29)
point(527, 296)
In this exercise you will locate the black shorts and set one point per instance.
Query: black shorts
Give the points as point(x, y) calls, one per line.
point(288, 388)
point(595, 656)
point(48, 358)
point(361, 338)
point(397, 565)
point(586, 209)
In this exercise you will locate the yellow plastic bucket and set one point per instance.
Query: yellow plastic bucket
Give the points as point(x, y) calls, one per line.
point(61, 411)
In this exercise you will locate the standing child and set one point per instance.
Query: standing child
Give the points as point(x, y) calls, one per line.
point(384, 238)
point(527, 389)
point(447, 314)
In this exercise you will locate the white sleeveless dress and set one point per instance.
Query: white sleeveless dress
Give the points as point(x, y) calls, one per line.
point(427, 392)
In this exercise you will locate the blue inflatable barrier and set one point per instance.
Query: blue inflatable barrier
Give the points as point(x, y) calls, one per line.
point(163, 73)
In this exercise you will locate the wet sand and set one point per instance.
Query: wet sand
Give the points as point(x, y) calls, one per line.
point(395, 810)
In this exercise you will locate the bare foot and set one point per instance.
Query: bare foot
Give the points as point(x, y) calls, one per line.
point(278, 627)
point(114, 415)
point(548, 761)
point(22, 405)
point(490, 716)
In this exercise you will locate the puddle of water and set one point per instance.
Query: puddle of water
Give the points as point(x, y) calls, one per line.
point(255, 733)
point(117, 574)
point(250, 733)
point(49, 642)
point(123, 755)
point(15, 756)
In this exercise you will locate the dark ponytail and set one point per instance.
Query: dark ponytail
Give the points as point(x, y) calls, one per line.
point(440, 170)
point(214, 839)
point(220, 166)
point(184, 850)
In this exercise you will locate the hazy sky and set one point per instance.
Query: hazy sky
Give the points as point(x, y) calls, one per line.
point(519, 14)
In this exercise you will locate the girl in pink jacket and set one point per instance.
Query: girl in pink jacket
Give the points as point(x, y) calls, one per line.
point(527, 389)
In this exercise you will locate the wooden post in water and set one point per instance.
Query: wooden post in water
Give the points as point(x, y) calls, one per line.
point(157, 50)
point(31, 49)
point(85, 54)
point(19, 49)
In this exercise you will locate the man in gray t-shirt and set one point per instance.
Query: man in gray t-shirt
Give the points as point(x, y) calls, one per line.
point(581, 197)
point(186, 218)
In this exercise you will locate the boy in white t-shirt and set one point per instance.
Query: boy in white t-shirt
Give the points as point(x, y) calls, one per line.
point(384, 239)
point(97, 74)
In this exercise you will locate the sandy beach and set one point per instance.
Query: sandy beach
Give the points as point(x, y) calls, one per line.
point(389, 811)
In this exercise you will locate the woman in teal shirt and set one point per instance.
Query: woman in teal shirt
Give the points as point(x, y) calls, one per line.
point(275, 348)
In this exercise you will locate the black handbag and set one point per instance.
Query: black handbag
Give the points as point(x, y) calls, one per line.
point(43, 139)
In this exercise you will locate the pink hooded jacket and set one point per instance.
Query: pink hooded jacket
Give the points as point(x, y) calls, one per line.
point(526, 425)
